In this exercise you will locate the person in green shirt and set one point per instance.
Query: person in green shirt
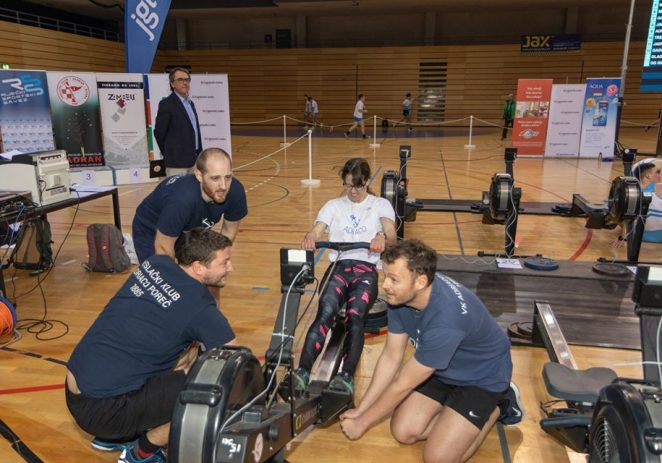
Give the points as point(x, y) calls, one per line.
point(508, 115)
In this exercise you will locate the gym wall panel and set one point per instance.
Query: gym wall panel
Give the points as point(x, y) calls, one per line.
point(266, 83)
point(35, 48)
point(273, 82)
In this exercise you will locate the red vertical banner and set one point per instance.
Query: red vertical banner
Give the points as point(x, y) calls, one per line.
point(531, 115)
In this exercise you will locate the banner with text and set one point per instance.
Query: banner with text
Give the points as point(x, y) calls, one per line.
point(211, 97)
point(531, 115)
point(25, 118)
point(599, 118)
point(143, 24)
point(565, 120)
point(123, 119)
point(76, 123)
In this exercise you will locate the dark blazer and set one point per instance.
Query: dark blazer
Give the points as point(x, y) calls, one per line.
point(174, 133)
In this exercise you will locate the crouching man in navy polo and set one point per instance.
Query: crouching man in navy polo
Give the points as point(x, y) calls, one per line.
point(127, 371)
point(457, 384)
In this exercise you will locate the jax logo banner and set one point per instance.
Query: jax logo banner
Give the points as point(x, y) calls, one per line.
point(143, 24)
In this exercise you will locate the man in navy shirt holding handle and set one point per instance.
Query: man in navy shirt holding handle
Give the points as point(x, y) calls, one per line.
point(457, 384)
point(184, 202)
point(126, 373)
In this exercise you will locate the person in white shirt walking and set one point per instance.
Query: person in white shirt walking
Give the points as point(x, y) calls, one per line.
point(359, 112)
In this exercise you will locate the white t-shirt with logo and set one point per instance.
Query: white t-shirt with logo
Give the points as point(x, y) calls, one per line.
point(351, 222)
point(358, 109)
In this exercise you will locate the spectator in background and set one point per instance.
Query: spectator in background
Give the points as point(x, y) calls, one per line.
point(306, 111)
point(177, 130)
point(407, 104)
point(359, 112)
point(508, 115)
point(314, 110)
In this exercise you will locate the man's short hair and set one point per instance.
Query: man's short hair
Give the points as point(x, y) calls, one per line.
point(421, 258)
point(199, 244)
point(643, 166)
point(201, 161)
point(171, 74)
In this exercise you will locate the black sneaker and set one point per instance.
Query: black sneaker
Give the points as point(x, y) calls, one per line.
point(343, 382)
point(512, 410)
point(346, 134)
point(301, 378)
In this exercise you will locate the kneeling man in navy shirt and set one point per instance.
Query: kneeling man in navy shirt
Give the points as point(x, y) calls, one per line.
point(457, 384)
point(183, 202)
point(126, 373)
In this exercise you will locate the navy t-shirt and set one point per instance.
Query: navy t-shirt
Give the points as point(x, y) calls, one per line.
point(457, 336)
point(176, 205)
point(144, 329)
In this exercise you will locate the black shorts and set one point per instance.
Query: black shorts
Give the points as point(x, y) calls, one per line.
point(123, 417)
point(472, 402)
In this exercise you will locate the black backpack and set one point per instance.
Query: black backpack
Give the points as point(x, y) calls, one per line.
point(106, 249)
point(33, 249)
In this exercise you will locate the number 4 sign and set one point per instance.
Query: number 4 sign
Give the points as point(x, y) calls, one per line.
point(134, 173)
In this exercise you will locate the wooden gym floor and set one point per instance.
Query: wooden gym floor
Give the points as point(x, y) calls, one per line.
point(280, 212)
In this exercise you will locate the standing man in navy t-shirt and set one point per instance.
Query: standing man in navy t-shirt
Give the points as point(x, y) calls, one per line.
point(184, 202)
point(454, 388)
point(126, 373)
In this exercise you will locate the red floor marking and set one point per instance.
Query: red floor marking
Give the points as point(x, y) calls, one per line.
point(582, 248)
point(18, 390)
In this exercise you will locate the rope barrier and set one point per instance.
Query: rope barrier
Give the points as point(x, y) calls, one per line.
point(257, 122)
point(490, 123)
point(395, 123)
point(270, 154)
point(654, 123)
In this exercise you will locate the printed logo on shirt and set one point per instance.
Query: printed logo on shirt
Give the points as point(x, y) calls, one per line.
point(452, 285)
point(207, 223)
point(355, 228)
point(415, 341)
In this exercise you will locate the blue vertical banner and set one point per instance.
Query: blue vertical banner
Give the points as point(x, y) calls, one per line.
point(599, 118)
point(143, 24)
point(25, 116)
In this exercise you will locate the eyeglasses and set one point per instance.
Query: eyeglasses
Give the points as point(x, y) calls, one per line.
point(347, 186)
point(183, 79)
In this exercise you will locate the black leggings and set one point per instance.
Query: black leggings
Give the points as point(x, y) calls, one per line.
point(353, 282)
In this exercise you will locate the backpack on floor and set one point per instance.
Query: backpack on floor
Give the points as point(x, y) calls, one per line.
point(106, 249)
point(33, 245)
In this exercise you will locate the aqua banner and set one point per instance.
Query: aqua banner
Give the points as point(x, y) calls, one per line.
point(599, 119)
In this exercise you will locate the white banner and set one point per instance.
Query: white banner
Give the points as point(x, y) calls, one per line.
point(122, 102)
point(565, 120)
point(211, 97)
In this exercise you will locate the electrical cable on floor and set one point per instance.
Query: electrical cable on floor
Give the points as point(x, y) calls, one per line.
point(39, 326)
